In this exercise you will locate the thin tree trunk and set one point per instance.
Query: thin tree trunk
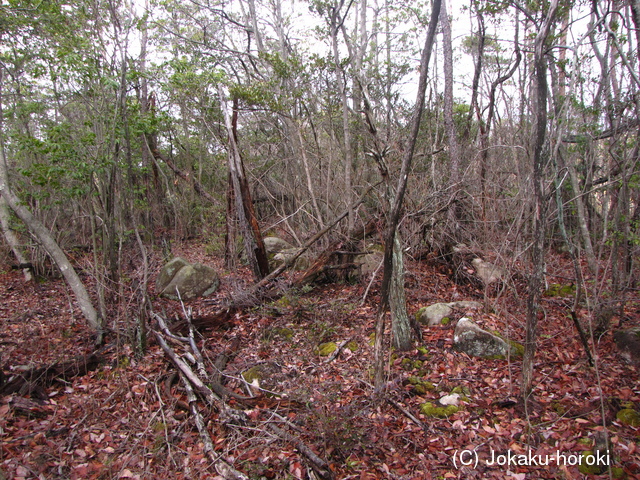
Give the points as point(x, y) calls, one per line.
point(5, 217)
point(394, 215)
point(536, 280)
point(450, 127)
point(11, 237)
point(335, 26)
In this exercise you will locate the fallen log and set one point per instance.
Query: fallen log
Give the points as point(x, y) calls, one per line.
point(34, 381)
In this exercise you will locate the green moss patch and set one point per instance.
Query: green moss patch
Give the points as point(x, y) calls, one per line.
point(430, 410)
point(557, 290)
point(628, 416)
point(254, 373)
point(326, 349)
point(421, 386)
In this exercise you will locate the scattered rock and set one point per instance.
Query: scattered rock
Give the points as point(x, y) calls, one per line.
point(434, 314)
point(181, 279)
point(267, 375)
point(628, 343)
point(369, 263)
point(453, 399)
point(488, 272)
point(285, 256)
point(275, 245)
point(472, 340)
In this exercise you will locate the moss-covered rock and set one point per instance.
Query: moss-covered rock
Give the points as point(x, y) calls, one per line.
point(423, 350)
point(628, 416)
point(254, 373)
point(421, 386)
point(430, 410)
point(283, 332)
point(326, 349)
point(352, 345)
point(558, 290)
point(589, 464)
point(462, 391)
point(267, 375)
point(618, 473)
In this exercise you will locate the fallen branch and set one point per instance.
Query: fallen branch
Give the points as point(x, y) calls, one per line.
point(583, 337)
point(214, 394)
point(319, 465)
point(223, 467)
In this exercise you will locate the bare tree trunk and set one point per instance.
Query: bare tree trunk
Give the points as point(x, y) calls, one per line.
point(394, 216)
point(536, 280)
point(5, 217)
point(336, 23)
point(253, 244)
point(450, 127)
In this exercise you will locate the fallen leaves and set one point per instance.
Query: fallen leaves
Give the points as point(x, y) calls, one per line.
point(120, 421)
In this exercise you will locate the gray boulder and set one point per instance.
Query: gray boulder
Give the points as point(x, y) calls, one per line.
point(181, 279)
point(369, 263)
point(275, 245)
point(628, 343)
point(433, 314)
point(476, 342)
point(488, 272)
point(286, 255)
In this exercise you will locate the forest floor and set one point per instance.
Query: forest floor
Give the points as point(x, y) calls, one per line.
point(126, 419)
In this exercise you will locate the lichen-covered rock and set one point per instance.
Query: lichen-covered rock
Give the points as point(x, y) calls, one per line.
point(180, 279)
point(369, 263)
point(472, 340)
point(436, 313)
point(275, 245)
point(433, 314)
point(168, 272)
point(488, 272)
point(628, 343)
point(286, 255)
